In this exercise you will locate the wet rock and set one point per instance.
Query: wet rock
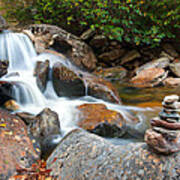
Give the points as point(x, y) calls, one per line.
point(66, 82)
point(46, 124)
point(112, 74)
point(170, 50)
point(5, 91)
point(97, 119)
point(75, 83)
point(81, 155)
point(3, 24)
point(112, 55)
point(3, 67)
point(16, 147)
point(54, 37)
point(175, 67)
point(41, 73)
point(11, 105)
point(101, 89)
point(158, 63)
point(130, 56)
point(172, 82)
point(149, 77)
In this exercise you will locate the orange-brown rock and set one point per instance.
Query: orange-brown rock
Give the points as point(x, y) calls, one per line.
point(11, 105)
point(149, 77)
point(100, 120)
point(16, 148)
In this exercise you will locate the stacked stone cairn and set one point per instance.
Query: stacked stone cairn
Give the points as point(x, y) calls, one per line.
point(164, 136)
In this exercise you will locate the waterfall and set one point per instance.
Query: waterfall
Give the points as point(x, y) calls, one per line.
point(19, 50)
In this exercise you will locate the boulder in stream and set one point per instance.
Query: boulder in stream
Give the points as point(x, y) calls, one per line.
point(41, 73)
point(97, 119)
point(16, 148)
point(75, 83)
point(81, 155)
point(46, 123)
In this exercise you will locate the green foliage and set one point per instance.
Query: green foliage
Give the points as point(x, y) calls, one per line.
point(133, 21)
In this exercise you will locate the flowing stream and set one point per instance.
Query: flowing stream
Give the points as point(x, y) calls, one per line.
point(19, 50)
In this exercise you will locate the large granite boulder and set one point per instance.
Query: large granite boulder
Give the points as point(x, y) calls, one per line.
point(75, 83)
point(41, 73)
point(97, 119)
point(46, 36)
point(16, 148)
point(81, 155)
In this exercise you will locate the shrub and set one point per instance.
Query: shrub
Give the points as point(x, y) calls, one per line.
point(133, 21)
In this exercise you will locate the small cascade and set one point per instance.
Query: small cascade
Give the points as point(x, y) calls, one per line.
point(18, 49)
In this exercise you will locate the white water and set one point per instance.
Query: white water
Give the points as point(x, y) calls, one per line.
point(19, 50)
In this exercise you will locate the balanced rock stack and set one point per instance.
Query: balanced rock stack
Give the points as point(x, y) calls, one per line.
point(164, 137)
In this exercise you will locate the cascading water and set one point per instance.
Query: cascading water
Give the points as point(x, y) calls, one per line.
point(19, 50)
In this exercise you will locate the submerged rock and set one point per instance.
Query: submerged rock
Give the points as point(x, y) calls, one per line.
point(75, 83)
point(41, 73)
point(81, 155)
point(16, 147)
point(97, 119)
point(149, 77)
